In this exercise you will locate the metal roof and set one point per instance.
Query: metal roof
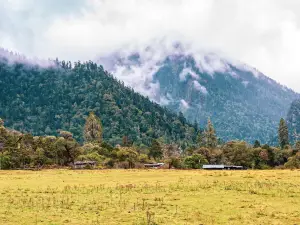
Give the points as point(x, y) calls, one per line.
point(213, 166)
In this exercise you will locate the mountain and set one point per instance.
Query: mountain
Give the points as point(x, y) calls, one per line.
point(242, 102)
point(293, 119)
point(44, 98)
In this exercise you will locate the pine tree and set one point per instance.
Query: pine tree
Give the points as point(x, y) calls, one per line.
point(155, 150)
point(210, 135)
point(256, 144)
point(196, 127)
point(201, 138)
point(93, 129)
point(283, 133)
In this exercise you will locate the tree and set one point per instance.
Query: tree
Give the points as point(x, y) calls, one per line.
point(293, 162)
point(1, 123)
point(126, 142)
point(283, 134)
point(127, 154)
point(93, 129)
point(171, 154)
point(297, 146)
point(195, 161)
point(201, 139)
point(237, 153)
point(210, 135)
point(66, 134)
point(256, 144)
point(195, 125)
point(67, 149)
point(155, 150)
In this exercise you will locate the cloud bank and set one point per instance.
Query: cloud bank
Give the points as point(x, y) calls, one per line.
point(264, 34)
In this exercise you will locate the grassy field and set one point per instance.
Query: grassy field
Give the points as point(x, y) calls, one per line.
point(55, 197)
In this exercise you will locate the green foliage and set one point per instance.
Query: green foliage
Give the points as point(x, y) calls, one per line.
point(195, 161)
point(93, 129)
point(42, 101)
point(213, 155)
point(297, 147)
point(19, 150)
point(201, 139)
point(256, 144)
point(283, 134)
point(237, 153)
point(293, 162)
point(210, 135)
point(293, 120)
point(171, 155)
point(156, 150)
point(129, 155)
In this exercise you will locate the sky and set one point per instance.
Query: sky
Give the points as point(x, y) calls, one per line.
point(264, 34)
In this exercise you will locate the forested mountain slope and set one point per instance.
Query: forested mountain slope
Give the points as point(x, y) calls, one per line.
point(242, 102)
point(43, 100)
point(293, 120)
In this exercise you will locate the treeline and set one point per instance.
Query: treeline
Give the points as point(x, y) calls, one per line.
point(18, 150)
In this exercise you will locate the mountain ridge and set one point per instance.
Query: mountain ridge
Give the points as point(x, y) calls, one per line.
point(206, 85)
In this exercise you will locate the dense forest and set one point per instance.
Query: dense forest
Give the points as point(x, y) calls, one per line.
point(44, 100)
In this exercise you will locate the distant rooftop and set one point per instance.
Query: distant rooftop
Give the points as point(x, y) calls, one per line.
point(222, 167)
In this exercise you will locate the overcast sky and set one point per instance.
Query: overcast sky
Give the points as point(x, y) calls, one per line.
point(262, 33)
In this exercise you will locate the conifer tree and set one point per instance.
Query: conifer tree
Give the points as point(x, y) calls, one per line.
point(201, 138)
point(155, 150)
point(210, 135)
point(283, 133)
point(93, 129)
point(256, 144)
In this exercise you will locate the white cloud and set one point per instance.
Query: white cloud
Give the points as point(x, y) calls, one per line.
point(199, 87)
point(264, 34)
point(187, 72)
point(184, 105)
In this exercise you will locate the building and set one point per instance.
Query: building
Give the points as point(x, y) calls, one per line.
point(85, 164)
point(154, 165)
point(222, 167)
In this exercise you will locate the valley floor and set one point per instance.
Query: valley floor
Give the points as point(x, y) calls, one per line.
point(55, 197)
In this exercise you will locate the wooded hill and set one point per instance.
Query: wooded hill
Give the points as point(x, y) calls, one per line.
point(43, 100)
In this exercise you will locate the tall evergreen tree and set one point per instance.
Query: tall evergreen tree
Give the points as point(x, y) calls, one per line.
point(93, 129)
point(283, 133)
point(155, 150)
point(201, 138)
point(195, 125)
point(210, 135)
point(256, 144)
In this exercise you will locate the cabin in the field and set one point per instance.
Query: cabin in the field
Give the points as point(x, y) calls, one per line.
point(222, 167)
point(154, 165)
point(85, 164)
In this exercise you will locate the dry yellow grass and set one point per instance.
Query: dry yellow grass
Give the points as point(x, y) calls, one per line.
point(55, 197)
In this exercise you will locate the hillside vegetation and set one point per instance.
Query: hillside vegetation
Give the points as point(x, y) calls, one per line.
point(43, 101)
point(243, 103)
